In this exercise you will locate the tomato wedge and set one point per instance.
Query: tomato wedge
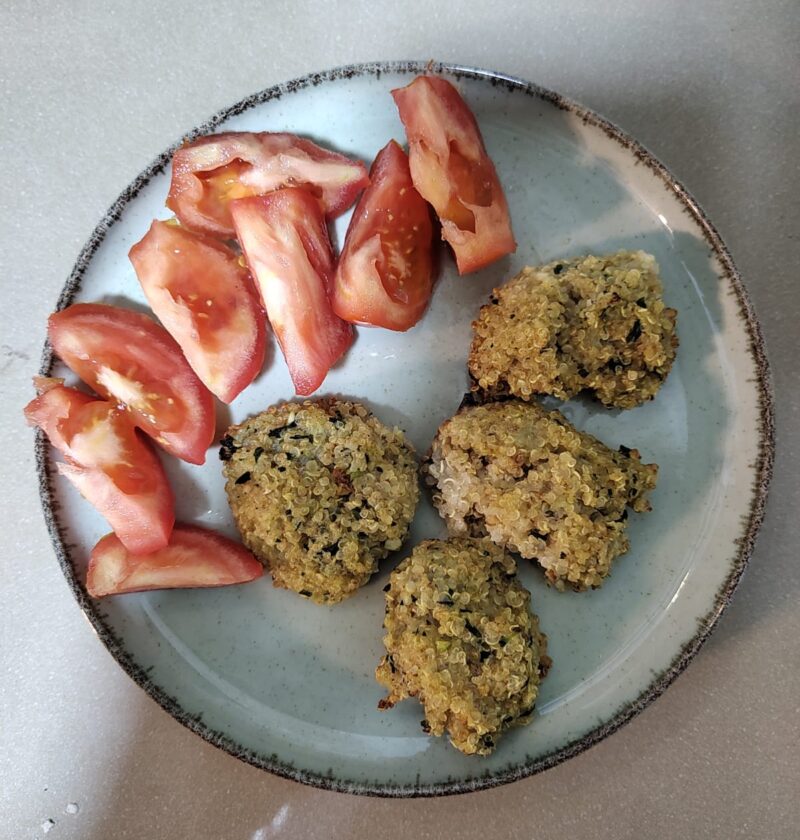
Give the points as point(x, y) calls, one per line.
point(111, 466)
point(126, 356)
point(385, 273)
point(285, 241)
point(452, 171)
point(210, 172)
point(208, 303)
point(195, 557)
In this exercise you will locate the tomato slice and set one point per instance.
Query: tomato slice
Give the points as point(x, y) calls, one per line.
point(385, 273)
point(112, 467)
point(212, 171)
point(452, 171)
point(126, 356)
point(285, 241)
point(208, 303)
point(194, 557)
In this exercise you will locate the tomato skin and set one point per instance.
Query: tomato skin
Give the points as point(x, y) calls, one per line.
point(128, 358)
point(285, 241)
point(213, 170)
point(194, 557)
point(452, 171)
point(385, 272)
point(114, 469)
point(207, 302)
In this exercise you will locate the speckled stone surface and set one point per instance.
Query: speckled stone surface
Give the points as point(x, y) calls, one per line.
point(90, 97)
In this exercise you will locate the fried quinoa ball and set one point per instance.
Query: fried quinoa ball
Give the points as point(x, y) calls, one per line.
point(460, 636)
point(321, 492)
point(589, 323)
point(533, 483)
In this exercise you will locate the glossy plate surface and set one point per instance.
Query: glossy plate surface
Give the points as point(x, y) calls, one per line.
point(288, 685)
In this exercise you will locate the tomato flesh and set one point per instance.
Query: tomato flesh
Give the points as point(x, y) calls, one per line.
point(452, 170)
point(212, 171)
point(110, 465)
point(125, 356)
point(385, 273)
point(285, 241)
point(194, 557)
point(207, 302)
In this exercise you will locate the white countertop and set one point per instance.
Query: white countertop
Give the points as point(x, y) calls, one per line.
point(93, 92)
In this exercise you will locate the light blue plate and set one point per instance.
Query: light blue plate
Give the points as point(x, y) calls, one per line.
point(288, 685)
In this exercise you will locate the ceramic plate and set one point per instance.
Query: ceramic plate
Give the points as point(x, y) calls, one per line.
point(288, 685)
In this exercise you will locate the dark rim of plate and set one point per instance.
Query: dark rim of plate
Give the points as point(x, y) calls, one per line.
point(762, 467)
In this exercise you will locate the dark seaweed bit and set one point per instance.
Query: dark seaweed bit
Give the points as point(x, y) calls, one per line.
point(244, 478)
point(426, 727)
point(623, 517)
point(259, 451)
point(487, 741)
point(540, 535)
point(625, 450)
point(636, 331)
point(390, 663)
point(641, 303)
point(503, 641)
point(275, 433)
point(305, 593)
point(557, 269)
point(494, 299)
point(472, 628)
point(332, 548)
point(507, 719)
point(527, 712)
point(309, 438)
point(484, 655)
point(387, 587)
point(582, 372)
point(227, 448)
point(446, 600)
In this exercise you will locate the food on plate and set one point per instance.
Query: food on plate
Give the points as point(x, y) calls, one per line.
point(208, 173)
point(531, 482)
point(194, 557)
point(207, 302)
point(385, 273)
point(589, 323)
point(113, 468)
point(321, 492)
point(452, 170)
point(286, 244)
point(128, 358)
point(461, 638)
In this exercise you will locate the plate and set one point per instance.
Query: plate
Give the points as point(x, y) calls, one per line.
point(287, 685)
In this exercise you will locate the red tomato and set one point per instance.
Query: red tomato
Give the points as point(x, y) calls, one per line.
point(284, 238)
point(126, 356)
point(452, 171)
point(385, 272)
point(194, 557)
point(211, 171)
point(112, 467)
point(207, 302)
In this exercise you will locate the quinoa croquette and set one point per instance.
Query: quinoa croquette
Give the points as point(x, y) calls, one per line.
point(534, 484)
point(589, 323)
point(461, 638)
point(321, 492)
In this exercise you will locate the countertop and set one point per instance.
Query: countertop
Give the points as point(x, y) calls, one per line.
point(91, 93)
